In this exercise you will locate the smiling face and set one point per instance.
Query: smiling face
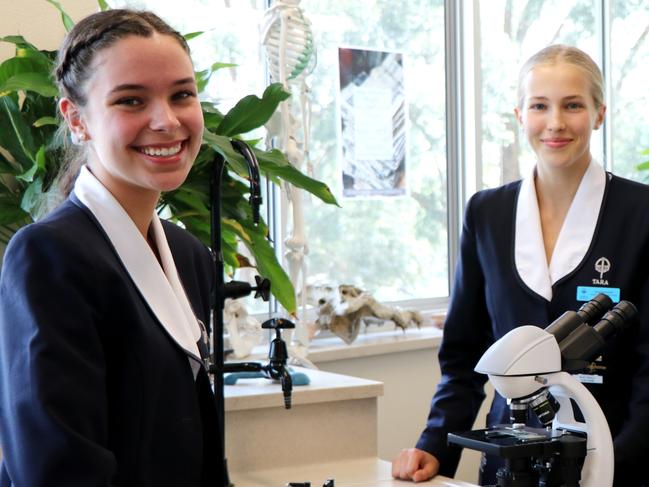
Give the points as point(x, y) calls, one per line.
point(558, 115)
point(142, 122)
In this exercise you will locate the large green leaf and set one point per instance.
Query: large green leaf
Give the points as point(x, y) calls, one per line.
point(274, 164)
point(37, 82)
point(267, 265)
point(24, 64)
point(222, 145)
point(15, 134)
point(252, 112)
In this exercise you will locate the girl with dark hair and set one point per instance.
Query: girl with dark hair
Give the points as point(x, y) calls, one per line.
point(102, 304)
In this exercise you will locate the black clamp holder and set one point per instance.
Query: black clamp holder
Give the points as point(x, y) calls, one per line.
point(276, 368)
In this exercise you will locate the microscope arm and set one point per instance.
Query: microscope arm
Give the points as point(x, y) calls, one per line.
point(599, 465)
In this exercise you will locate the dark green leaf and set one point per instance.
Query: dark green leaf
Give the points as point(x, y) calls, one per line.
point(15, 134)
point(10, 213)
point(296, 178)
point(267, 265)
point(223, 146)
point(6, 166)
point(68, 23)
point(252, 112)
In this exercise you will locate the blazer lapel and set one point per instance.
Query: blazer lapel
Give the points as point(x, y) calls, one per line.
point(161, 289)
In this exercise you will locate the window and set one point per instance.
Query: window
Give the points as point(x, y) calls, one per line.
point(393, 246)
point(628, 98)
point(615, 37)
point(397, 247)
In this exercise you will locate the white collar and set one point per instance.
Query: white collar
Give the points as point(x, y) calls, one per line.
point(162, 290)
point(574, 238)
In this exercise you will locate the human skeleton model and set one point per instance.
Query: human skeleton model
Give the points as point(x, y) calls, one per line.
point(288, 42)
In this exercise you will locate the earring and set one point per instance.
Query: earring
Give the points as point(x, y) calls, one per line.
point(78, 138)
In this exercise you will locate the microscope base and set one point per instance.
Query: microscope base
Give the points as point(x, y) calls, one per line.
point(539, 456)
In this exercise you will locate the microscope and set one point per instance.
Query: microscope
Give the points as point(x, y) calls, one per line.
point(532, 368)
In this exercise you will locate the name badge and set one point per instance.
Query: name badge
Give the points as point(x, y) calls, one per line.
point(586, 293)
point(589, 378)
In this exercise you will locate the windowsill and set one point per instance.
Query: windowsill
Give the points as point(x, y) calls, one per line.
point(332, 348)
point(376, 343)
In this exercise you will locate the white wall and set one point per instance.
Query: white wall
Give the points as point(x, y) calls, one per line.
point(38, 21)
point(409, 380)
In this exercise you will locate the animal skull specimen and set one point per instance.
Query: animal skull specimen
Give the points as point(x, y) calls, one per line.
point(344, 309)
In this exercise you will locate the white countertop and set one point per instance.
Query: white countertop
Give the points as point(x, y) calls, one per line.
point(324, 387)
point(360, 472)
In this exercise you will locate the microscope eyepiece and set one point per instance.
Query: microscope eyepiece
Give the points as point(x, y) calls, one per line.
point(619, 318)
point(587, 342)
point(589, 313)
point(594, 309)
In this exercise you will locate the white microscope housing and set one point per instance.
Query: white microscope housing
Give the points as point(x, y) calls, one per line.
point(527, 360)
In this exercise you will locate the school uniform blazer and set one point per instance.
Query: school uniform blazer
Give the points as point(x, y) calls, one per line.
point(93, 391)
point(490, 298)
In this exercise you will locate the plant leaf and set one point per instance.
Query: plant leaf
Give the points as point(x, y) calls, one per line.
point(27, 63)
point(32, 196)
point(19, 41)
point(269, 162)
point(203, 77)
point(643, 166)
point(15, 134)
point(68, 23)
point(252, 112)
point(36, 82)
point(10, 213)
point(223, 146)
point(192, 35)
point(39, 165)
point(269, 267)
point(45, 121)
point(103, 6)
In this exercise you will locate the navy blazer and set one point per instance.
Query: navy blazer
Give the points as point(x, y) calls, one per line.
point(489, 299)
point(93, 391)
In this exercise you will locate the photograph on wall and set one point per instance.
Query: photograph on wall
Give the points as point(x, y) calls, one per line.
point(373, 123)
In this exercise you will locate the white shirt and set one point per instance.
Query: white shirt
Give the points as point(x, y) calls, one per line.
point(160, 286)
point(574, 237)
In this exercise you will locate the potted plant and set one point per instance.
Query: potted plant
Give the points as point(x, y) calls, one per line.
point(31, 153)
